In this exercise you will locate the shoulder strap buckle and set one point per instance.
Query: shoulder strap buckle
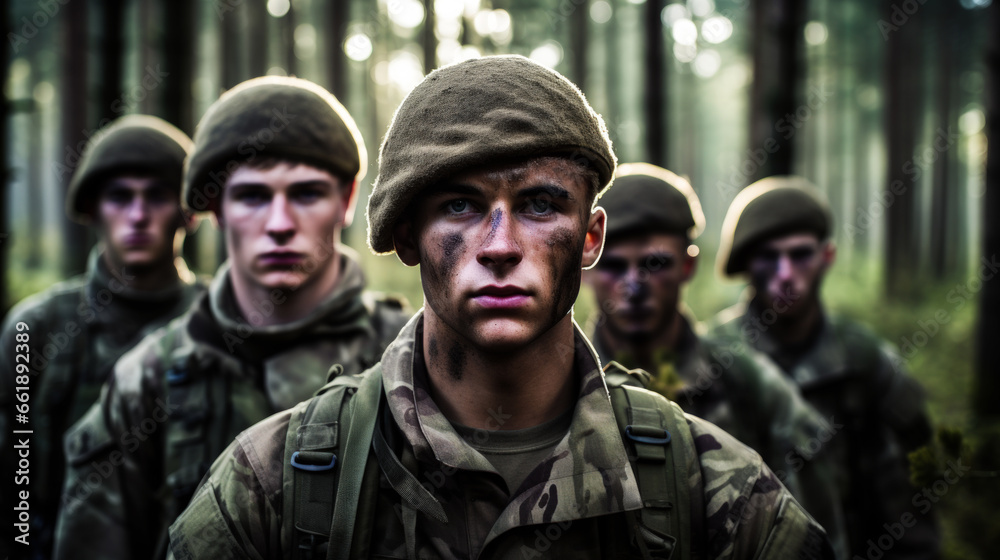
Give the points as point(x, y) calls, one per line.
point(647, 434)
point(313, 461)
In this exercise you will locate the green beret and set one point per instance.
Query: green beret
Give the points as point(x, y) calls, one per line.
point(650, 199)
point(281, 117)
point(477, 113)
point(130, 144)
point(769, 208)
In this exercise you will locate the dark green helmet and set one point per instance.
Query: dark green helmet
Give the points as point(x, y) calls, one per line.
point(477, 113)
point(131, 144)
point(287, 118)
point(770, 208)
point(650, 199)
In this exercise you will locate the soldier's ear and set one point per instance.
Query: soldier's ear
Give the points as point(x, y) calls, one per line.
point(405, 242)
point(829, 250)
point(689, 264)
point(349, 196)
point(593, 244)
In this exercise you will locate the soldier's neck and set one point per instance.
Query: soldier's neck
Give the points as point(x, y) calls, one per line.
point(642, 351)
point(289, 305)
point(796, 331)
point(509, 390)
point(150, 278)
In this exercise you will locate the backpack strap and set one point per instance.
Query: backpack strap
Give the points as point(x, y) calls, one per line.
point(659, 436)
point(326, 441)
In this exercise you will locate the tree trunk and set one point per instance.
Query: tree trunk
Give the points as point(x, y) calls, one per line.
point(73, 110)
point(178, 64)
point(777, 43)
point(428, 38)
point(986, 405)
point(655, 98)
point(4, 167)
point(940, 245)
point(902, 114)
point(337, 30)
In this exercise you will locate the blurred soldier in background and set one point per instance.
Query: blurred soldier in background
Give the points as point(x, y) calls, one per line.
point(487, 430)
point(640, 322)
point(277, 161)
point(777, 234)
point(127, 186)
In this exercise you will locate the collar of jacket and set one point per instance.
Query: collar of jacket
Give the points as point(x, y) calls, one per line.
point(686, 356)
point(342, 311)
point(100, 279)
point(588, 470)
point(823, 360)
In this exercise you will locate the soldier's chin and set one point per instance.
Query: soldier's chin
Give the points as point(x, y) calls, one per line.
point(282, 280)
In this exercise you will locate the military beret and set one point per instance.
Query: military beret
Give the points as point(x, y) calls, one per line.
point(769, 208)
point(650, 199)
point(475, 113)
point(288, 118)
point(133, 143)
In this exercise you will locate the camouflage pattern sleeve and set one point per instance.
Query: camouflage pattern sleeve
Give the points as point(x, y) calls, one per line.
point(110, 507)
point(748, 512)
point(236, 513)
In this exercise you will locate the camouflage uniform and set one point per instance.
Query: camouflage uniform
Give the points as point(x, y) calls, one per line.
point(743, 393)
point(78, 329)
point(180, 397)
point(573, 505)
point(853, 378)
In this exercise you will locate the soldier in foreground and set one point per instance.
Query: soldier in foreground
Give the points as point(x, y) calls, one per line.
point(777, 234)
point(287, 305)
point(127, 187)
point(640, 322)
point(487, 430)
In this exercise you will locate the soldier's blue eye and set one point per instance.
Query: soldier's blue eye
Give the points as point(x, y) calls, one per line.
point(458, 206)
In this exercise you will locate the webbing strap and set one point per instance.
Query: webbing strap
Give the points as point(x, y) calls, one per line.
point(355, 454)
point(411, 491)
point(650, 424)
point(314, 487)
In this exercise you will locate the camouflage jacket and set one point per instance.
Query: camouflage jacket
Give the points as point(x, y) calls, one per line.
point(77, 329)
point(742, 392)
point(574, 504)
point(856, 380)
point(180, 397)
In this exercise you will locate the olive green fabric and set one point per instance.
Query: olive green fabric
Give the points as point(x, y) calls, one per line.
point(574, 504)
point(878, 413)
point(233, 373)
point(77, 329)
point(479, 113)
point(650, 199)
point(742, 391)
point(133, 143)
point(769, 208)
point(281, 117)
